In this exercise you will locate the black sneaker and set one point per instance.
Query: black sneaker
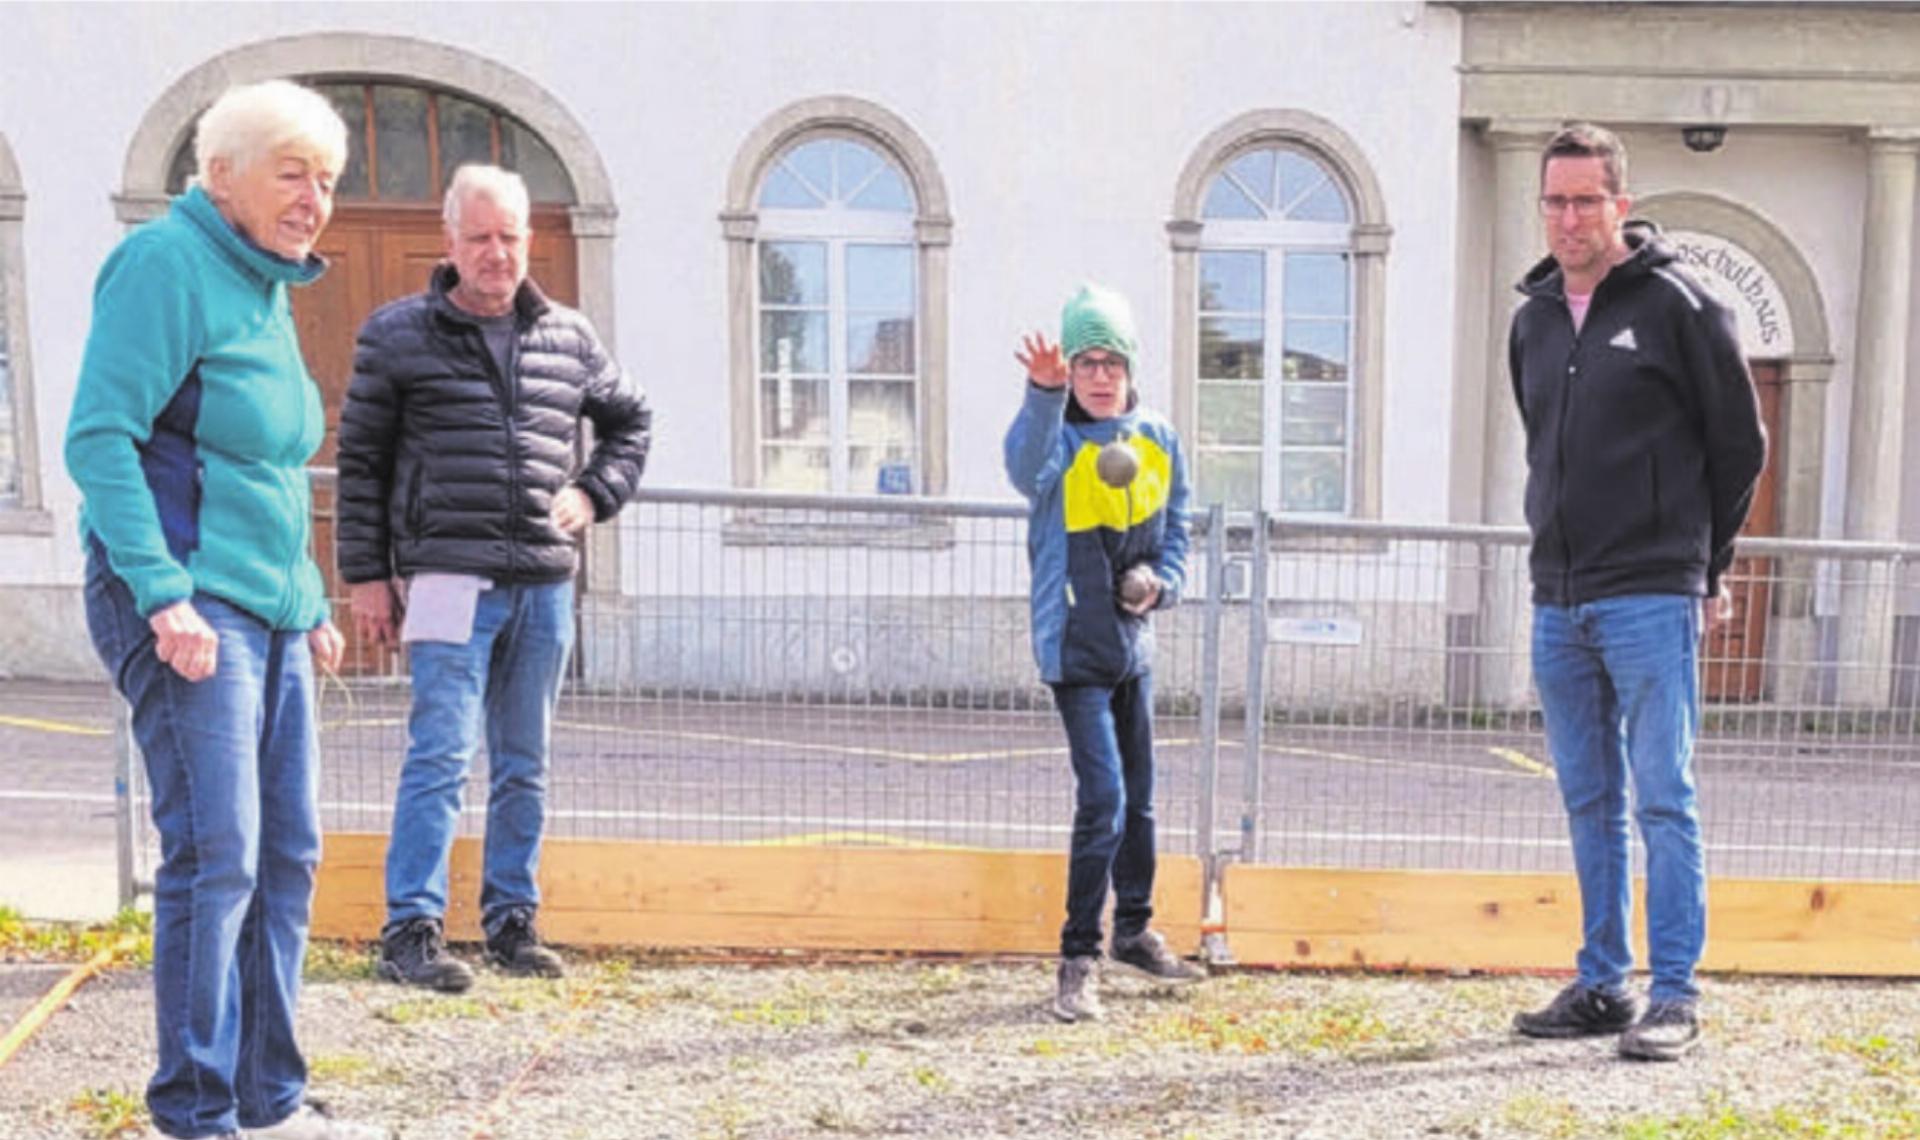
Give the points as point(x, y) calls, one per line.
point(514, 946)
point(1579, 1012)
point(1668, 1032)
point(1147, 952)
point(415, 954)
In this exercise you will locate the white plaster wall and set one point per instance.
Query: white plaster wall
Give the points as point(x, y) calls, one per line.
point(1059, 129)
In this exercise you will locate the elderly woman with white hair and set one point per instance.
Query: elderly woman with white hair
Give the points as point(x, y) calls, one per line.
point(192, 425)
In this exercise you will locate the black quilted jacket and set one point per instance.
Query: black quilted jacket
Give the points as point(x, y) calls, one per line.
point(445, 465)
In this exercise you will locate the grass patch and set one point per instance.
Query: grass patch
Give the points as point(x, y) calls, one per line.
point(351, 1069)
point(1884, 1056)
point(1533, 1115)
point(1866, 1117)
point(110, 1113)
point(1348, 1029)
point(939, 980)
point(340, 962)
point(128, 934)
point(412, 1011)
point(800, 1007)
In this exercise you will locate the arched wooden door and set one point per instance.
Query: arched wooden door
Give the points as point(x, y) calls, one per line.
point(385, 238)
point(1735, 654)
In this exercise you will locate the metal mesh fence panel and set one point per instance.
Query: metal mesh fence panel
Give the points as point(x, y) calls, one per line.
point(1397, 725)
point(784, 669)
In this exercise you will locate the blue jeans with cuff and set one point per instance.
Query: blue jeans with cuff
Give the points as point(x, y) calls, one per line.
point(1619, 690)
point(231, 765)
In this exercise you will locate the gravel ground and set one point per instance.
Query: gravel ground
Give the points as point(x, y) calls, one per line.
point(644, 1048)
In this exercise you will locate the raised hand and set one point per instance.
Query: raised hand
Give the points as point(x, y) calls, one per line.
point(1042, 360)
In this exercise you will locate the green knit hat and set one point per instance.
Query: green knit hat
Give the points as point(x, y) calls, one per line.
point(1098, 317)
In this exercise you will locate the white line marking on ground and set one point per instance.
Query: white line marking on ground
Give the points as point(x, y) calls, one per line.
point(60, 797)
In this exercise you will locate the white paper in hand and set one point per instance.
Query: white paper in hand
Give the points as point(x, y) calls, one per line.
point(440, 607)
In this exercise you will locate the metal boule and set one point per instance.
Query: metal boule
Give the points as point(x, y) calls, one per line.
point(1137, 584)
point(1117, 464)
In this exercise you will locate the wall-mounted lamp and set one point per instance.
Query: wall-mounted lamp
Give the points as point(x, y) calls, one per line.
point(1702, 139)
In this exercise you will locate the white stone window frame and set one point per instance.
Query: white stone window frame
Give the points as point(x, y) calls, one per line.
point(742, 222)
point(1274, 240)
point(837, 228)
point(24, 511)
point(1189, 233)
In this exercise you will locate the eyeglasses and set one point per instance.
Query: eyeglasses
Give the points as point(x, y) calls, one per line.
point(1584, 205)
point(1114, 366)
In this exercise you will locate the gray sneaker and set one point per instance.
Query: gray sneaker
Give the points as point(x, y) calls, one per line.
point(1147, 952)
point(1076, 996)
point(1668, 1032)
point(311, 1122)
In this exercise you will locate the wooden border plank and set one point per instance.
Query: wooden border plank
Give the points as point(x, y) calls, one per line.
point(1452, 920)
point(598, 893)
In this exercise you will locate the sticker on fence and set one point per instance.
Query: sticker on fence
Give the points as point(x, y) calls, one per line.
point(1313, 631)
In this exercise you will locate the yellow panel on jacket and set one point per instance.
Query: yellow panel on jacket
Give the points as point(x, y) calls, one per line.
point(1091, 503)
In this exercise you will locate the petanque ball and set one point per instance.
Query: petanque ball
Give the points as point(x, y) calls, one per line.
point(1117, 464)
point(1136, 584)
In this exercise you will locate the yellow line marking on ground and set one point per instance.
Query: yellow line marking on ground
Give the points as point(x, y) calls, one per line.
point(1522, 761)
point(1387, 761)
point(59, 726)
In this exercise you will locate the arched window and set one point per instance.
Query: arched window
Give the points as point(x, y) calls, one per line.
point(837, 232)
point(836, 302)
point(1279, 240)
point(1275, 422)
point(405, 141)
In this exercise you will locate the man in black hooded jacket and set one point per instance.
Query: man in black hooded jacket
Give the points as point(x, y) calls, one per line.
point(1644, 444)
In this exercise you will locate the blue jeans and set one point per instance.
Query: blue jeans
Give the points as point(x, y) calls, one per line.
point(1619, 691)
point(1110, 739)
point(231, 766)
point(509, 673)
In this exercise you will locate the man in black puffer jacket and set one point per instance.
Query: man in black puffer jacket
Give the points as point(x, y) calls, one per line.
point(460, 509)
point(1643, 447)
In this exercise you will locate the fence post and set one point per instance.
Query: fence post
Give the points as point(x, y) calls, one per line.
point(1252, 793)
point(1210, 717)
point(123, 752)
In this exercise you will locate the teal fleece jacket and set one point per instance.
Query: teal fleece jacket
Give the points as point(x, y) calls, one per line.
point(194, 418)
point(1082, 535)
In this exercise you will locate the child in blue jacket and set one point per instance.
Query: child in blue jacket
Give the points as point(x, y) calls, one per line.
point(1107, 540)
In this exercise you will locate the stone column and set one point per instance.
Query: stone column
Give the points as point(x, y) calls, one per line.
point(1502, 635)
point(739, 229)
point(934, 236)
point(1879, 413)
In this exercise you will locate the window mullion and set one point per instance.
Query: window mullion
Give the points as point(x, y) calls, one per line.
point(1273, 367)
point(837, 362)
